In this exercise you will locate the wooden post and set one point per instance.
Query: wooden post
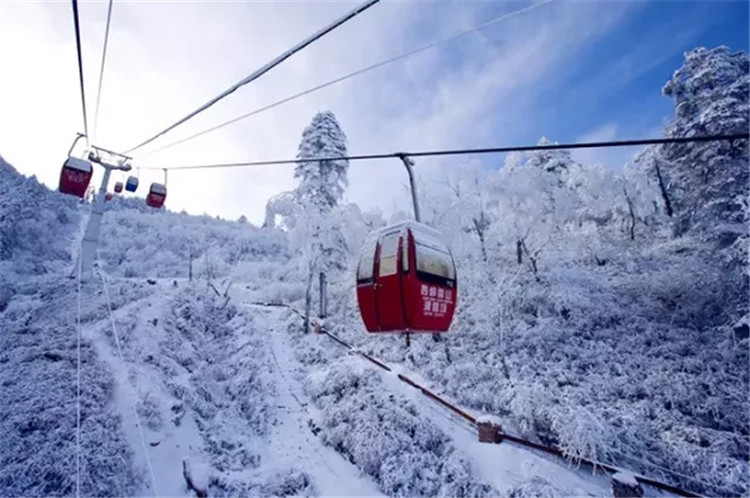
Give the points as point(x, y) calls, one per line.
point(625, 485)
point(489, 429)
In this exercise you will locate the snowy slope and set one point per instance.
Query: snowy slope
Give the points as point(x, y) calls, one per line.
point(405, 443)
point(38, 389)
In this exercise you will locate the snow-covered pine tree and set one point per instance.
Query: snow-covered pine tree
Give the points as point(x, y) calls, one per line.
point(321, 188)
point(708, 182)
point(322, 182)
point(551, 161)
point(704, 186)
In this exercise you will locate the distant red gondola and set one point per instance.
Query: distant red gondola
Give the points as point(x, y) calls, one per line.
point(75, 176)
point(118, 187)
point(157, 195)
point(406, 280)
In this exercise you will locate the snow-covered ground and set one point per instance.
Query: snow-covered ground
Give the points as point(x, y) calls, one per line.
point(320, 365)
point(251, 405)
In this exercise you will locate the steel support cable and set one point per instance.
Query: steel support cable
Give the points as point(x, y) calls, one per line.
point(78, 376)
point(101, 70)
point(260, 72)
point(353, 74)
point(489, 150)
point(77, 26)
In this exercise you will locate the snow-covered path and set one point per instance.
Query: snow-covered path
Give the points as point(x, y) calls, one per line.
point(165, 447)
point(292, 442)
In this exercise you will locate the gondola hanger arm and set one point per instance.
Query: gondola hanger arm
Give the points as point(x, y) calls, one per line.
point(408, 164)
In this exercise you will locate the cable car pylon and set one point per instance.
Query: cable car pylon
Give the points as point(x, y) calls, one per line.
point(91, 235)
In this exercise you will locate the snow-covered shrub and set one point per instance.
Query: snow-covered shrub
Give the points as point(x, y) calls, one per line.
point(534, 488)
point(134, 243)
point(36, 225)
point(384, 435)
point(38, 422)
point(149, 413)
point(223, 356)
point(282, 292)
point(291, 482)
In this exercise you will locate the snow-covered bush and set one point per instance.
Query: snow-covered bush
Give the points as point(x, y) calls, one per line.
point(166, 244)
point(384, 436)
point(38, 421)
point(36, 225)
point(291, 482)
point(223, 356)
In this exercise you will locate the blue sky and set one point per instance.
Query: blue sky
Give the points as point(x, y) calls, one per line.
point(612, 87)
point(569, 70)
point(647, 47)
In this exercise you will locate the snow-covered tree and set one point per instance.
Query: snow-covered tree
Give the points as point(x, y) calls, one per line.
point(317, 231)
point(706, 184)
point(322, 182)
point(533, 201)
point(282, 205)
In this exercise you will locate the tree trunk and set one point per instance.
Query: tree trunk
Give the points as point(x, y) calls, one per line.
point(323, 293)
point(532, 261)
point(663, 190)
point(519, 251)
point(479, 228)
point(190, 266)
point(308, 300)
point(632, 213)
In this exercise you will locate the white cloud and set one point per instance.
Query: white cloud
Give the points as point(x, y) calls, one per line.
point(604, 133)
point(166, 58)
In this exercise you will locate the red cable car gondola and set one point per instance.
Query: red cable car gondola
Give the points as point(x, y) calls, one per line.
point(118, 187)
point(76, 173)
point(406, 280)
point(157, 195)
point(75, 176)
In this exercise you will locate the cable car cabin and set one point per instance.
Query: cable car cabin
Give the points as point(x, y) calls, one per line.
point(406, 280)
point(157, 195)
point(108, 197)
point(131, 184)
point(75, 176)
point(118, 187)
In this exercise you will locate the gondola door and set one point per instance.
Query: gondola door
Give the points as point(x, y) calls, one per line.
point(368, 307)
point(388, 291)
